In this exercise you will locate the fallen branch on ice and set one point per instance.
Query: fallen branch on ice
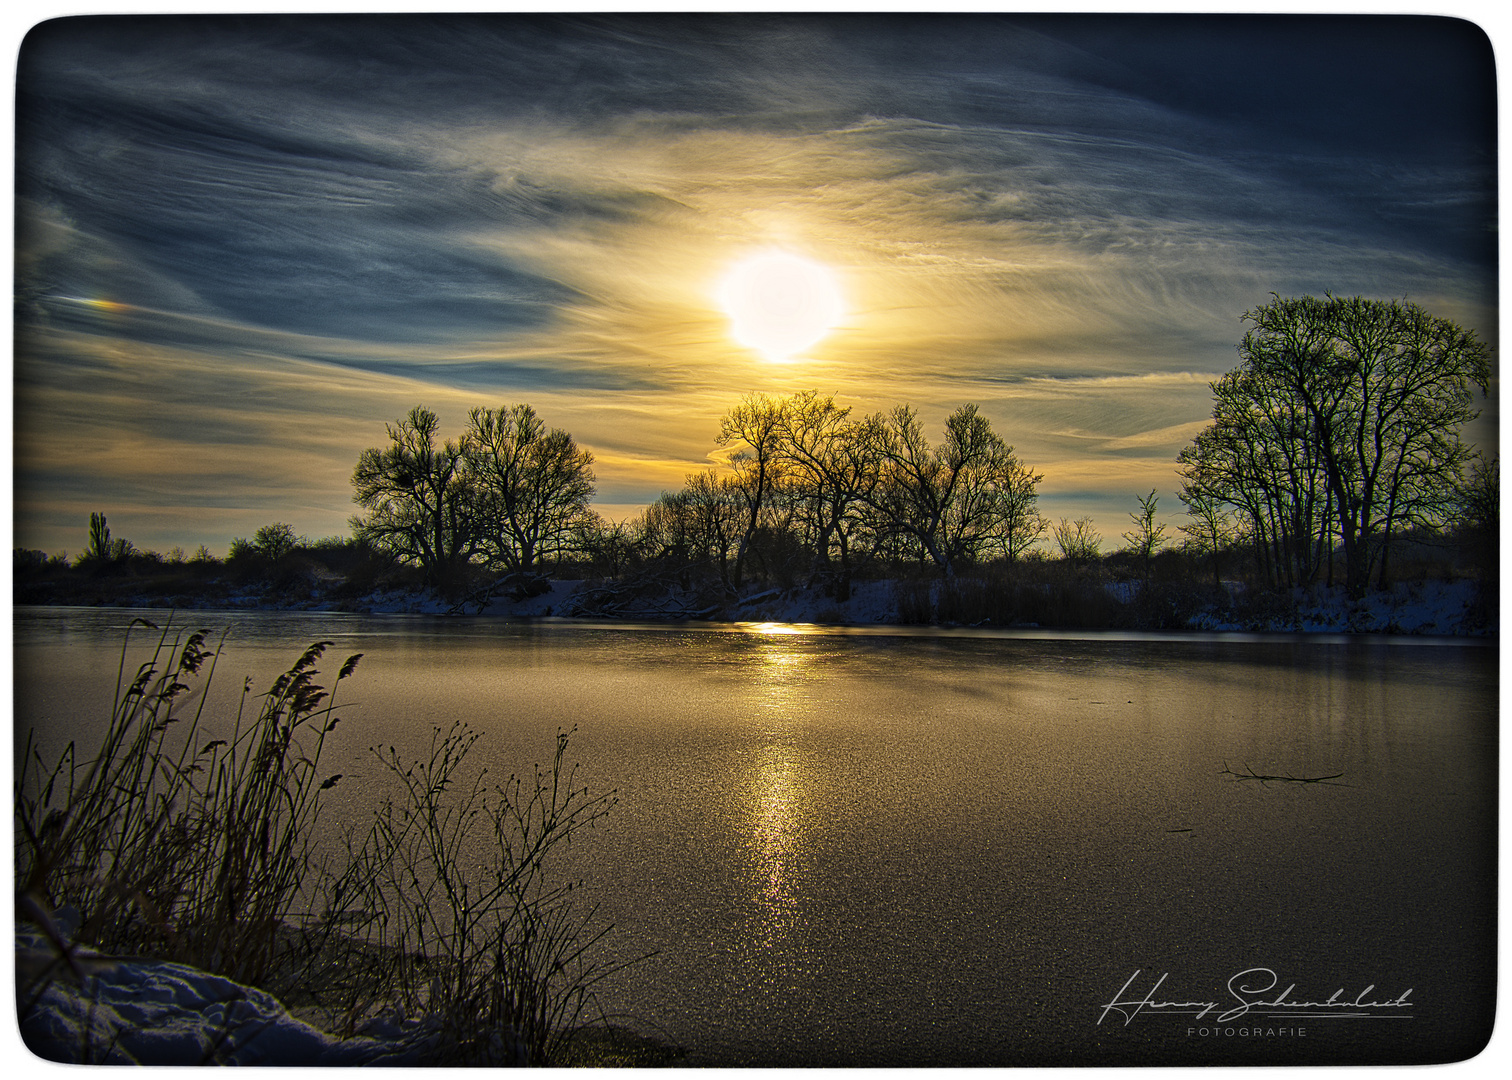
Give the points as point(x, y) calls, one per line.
point(1251, 774)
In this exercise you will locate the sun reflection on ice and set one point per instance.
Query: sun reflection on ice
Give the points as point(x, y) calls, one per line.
point(785, 670)
point(775, 629)
point(775, 839)
point(776, 788)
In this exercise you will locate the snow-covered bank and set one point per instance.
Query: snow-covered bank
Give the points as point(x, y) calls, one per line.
point(1442, 608)
point(128, 1011)
point(1448, 608)
point(870, 602)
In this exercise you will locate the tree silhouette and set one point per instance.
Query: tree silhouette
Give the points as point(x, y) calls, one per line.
point(420, 508)
point(1146, 537)
point(1211, 529)
point(1341, 425)
point(103, 550)
point(755, 427)
point(1077, 540)
point(275, 541)
point(833, 466)
point(951, 499)
point(530, 487)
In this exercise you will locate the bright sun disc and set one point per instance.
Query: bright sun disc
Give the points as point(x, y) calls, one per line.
point(780, 304)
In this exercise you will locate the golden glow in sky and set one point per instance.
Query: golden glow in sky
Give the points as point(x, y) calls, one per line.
point(632, 223)
point(779, 303)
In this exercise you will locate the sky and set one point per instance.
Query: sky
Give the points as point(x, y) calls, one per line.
point(246, 244)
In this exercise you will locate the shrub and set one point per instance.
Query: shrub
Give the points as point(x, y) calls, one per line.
point(491, 952)
point(275, 541)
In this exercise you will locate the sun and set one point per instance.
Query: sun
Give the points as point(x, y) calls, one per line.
point(779, 303)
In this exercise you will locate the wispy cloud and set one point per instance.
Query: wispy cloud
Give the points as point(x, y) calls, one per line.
point(243, 246)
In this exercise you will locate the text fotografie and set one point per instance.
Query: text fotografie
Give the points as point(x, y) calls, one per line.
point(1253, 988)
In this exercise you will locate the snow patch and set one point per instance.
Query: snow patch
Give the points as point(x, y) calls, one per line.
point(557, 600)
point(139, 1012)
point(403, 602)
point(1426, 607)
point(870, 602)
point(1125, 592)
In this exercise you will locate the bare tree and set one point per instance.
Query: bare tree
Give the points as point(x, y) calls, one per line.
point(1260, 457)
point(609, 545)
point(949, 499)
point(1017, 523)
point(832, 467)
point(1146, 537)
point(1479, 495)
point(1211, 529)
point(276, 540)
point(663, 531)
point(1078, 540)
point(1478, 514)
point(530, 486)
point(1341, 423)
point(756, 426)
point(419, 506)
point(807, 483)
point(716, 508)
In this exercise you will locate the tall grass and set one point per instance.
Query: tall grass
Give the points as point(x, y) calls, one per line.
point(170, 844)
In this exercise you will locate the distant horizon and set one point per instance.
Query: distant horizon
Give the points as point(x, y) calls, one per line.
point(243, 246)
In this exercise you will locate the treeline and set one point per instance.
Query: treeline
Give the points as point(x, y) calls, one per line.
point(1334, 454)
point(801, 482)
point(808, 493)
point(275, 564)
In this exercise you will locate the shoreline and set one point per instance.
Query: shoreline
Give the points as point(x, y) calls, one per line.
point(1416, 610)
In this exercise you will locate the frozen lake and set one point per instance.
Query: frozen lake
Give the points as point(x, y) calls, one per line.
point(913, 848)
